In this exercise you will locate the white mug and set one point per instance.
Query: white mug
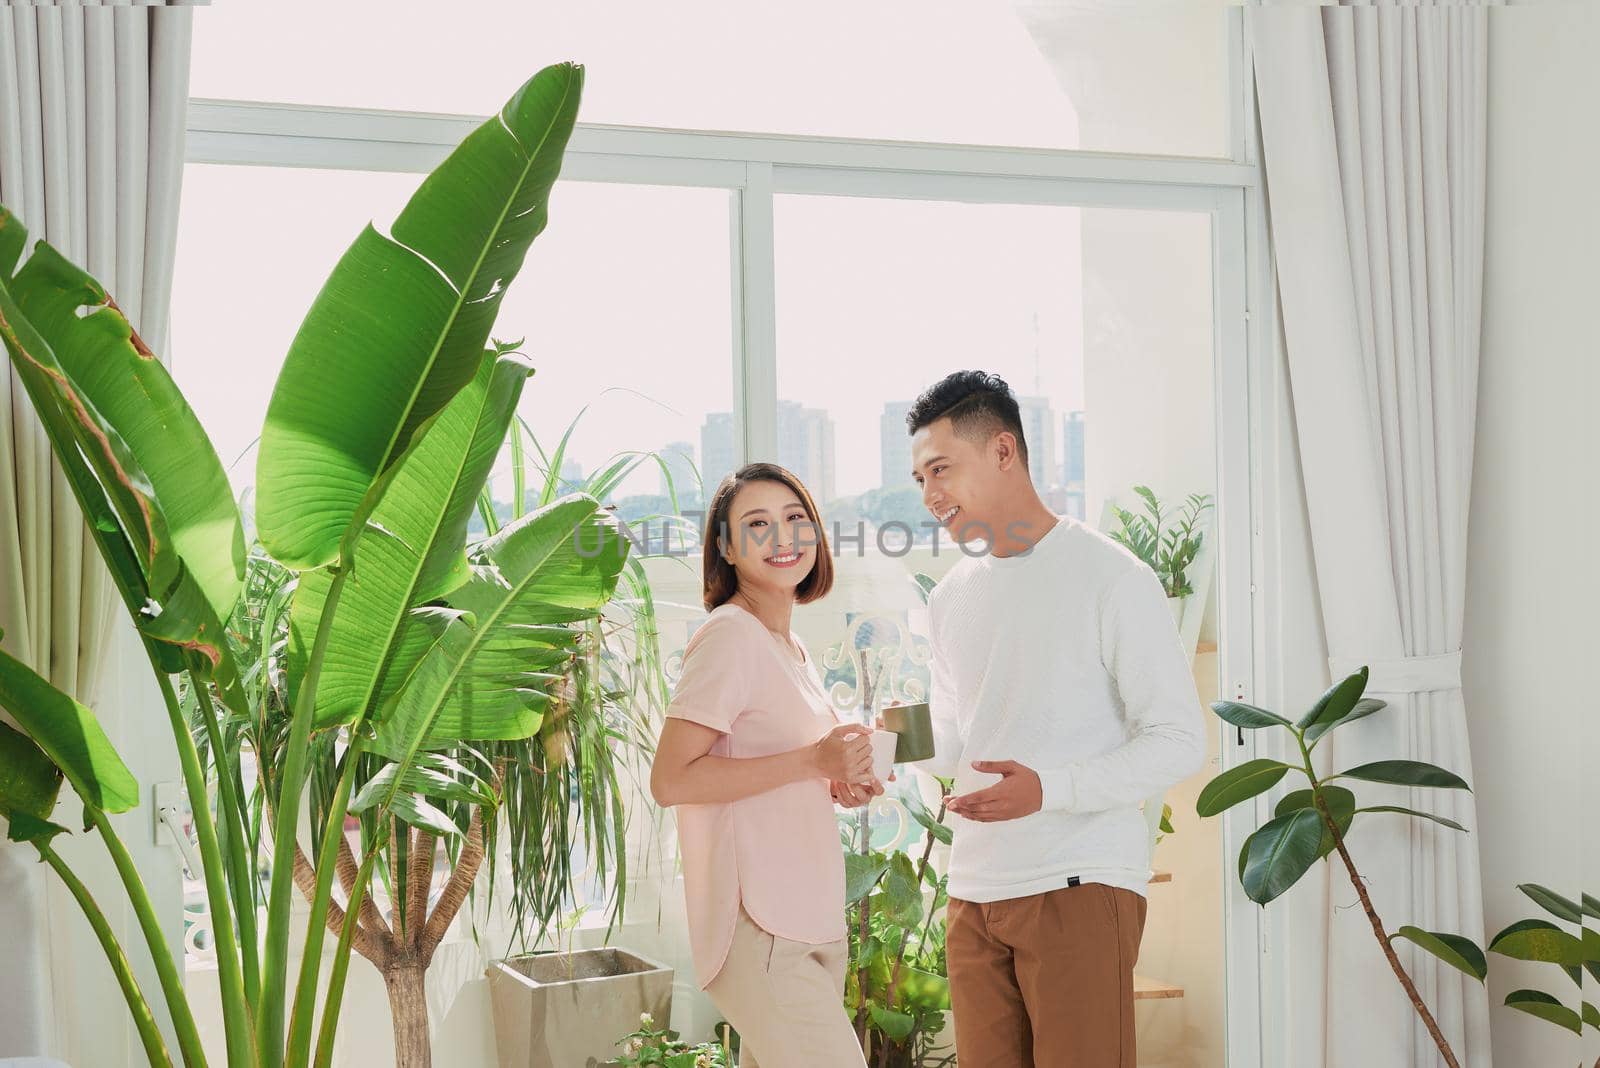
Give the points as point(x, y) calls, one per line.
point(883, 744)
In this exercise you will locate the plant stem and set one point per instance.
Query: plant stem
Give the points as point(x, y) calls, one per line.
point(155, 938)
point(1372, 916)
point(275, 958)
point(240, 860)
point(305, 995)
point(155, 1048)
point(341, 960)
point(230, 977)
point(905, 935)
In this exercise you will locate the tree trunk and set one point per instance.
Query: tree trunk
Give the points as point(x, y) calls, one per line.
point(408, 1008)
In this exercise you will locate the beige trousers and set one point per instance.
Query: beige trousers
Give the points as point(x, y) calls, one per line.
point(786, 1000)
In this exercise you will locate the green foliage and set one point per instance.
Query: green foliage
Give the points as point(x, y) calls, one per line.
point(371, 652)
point(1311, 823)
point(665, 1049)
point(1543, 942)
point(896, 985)
point(1166, 543)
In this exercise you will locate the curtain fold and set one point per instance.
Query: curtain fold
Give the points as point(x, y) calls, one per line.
point(92, 106)
point(1373, 125)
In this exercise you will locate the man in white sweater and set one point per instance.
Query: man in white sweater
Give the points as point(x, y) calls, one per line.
point(1061, 699)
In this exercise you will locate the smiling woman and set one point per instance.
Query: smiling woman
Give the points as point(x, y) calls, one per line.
point(755, 755)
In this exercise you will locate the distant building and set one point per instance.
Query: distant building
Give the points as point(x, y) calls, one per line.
point(1039, 429)
point(1072, 458)
point(805, 446)
point(677, 459)
point(894, 446)
point(717, 452)
point(571, 475)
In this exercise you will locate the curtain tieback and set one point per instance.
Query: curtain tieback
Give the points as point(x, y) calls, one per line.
point(1407, 674)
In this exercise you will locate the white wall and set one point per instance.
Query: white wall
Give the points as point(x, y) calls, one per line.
point(1532, 585)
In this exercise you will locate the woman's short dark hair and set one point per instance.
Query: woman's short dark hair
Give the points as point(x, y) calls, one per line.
point(719, 579)
point(978, 404)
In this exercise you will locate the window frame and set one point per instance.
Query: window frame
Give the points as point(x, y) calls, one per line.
point(755, 168)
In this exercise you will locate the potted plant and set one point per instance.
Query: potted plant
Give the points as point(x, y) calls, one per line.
point(1312, 823)
point(1167, 544)
point(406, 644)
point(896, 986)
point(664, 1048)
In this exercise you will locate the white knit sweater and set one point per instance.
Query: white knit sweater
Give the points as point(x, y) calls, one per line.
point(1064, 659)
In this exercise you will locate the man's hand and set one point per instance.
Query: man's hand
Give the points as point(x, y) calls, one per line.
point(854, 795)
point(1017, 794)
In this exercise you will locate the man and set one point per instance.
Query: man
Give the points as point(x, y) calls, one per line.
point(1061, 699)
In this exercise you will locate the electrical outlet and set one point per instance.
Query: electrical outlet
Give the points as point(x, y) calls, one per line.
point(169, 824)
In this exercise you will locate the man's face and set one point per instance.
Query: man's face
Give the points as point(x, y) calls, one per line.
point(960, 480)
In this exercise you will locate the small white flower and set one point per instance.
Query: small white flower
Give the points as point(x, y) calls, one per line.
point(646, 1020)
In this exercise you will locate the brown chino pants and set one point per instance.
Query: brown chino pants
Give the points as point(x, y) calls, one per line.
point(1046, 981)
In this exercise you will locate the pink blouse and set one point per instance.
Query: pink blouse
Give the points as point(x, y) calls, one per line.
point(777, 852)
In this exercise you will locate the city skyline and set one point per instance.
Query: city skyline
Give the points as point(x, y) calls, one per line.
point(806, 446)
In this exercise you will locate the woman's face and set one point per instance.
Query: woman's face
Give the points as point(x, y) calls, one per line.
point(771, 541)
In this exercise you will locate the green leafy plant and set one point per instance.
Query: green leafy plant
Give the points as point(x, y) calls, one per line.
point(896, 986)
point(533, 801)
point(1311, 824)
point(1165, 827)
point(1539, 940)
point(664, 1047)
point(1167, 543)
point(403, 643)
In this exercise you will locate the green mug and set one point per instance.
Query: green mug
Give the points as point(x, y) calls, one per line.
point(914, 725)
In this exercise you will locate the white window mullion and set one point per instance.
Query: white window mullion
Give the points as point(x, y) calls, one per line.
point(755, 334)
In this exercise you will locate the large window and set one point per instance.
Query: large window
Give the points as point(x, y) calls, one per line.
point(789, 304)
point(622, 306)
point(1126, 77)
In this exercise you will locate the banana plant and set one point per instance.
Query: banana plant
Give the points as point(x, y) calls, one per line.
point(1312, 823)
point(376, 445)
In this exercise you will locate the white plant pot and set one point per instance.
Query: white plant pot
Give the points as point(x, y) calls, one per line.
point(1175, 606)
point(552, 1010)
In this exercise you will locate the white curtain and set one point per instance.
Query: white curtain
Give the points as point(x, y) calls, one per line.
point(92, 104)
point(1373, 135)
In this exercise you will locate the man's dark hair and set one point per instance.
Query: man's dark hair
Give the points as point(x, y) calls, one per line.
point(978, 404)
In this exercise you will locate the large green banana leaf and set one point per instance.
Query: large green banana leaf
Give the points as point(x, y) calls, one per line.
point(151, 486)
point(488, 664)
point(69, 735)
point(29, 782)
point(399, 326)
point(408, 551)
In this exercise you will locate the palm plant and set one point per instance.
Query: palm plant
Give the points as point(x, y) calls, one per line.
point(1167, 544)
point(402, 645)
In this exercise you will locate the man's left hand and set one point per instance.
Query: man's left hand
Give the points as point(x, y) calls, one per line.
point(1017, 794)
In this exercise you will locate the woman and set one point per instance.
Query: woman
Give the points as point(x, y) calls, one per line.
point(754, 756)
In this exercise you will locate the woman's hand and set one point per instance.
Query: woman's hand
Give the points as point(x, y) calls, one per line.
point(844, 754)
point(853, 795)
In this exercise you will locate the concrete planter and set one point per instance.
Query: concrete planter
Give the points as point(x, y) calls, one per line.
point(552, 1010)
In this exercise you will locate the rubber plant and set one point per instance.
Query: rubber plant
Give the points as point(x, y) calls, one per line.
point(1313, 823)
point(372, 455)
point(1537, 939)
